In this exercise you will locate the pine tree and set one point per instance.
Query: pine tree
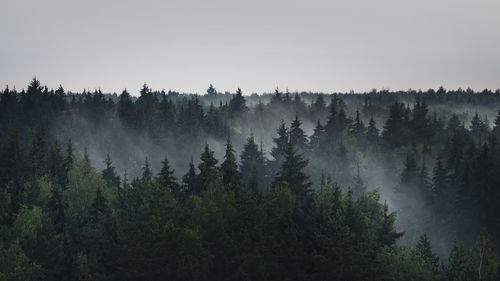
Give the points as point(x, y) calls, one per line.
point(109, 174)
point(166, 178)
point(372, 131)
point(357, 129)
point(230, 174)
point(409, 174)
point(317, 137)
point(280, 144)
point(394, 128)
point(420, 122)
point(147, 174)
point(439, 180)
point(424, 250)
point(277, 98)
point(207, 169)
point(477, 129)
point(189, 180)
point(252, 164)
point(387, 234)
point(237, 104)
point(319, 105)
point(459, 266)
point(297, 135)
point(292, 173)
point(126, 109)
point(211, 91)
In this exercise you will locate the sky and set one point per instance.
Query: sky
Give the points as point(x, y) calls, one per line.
point(258, 45)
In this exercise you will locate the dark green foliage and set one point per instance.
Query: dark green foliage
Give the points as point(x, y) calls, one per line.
point(109, 174)
point(147, 173)
point(207, 169)
point(60, 219)
point(237, 104)
point(278, 151)
point(297, 135)
point(189, 179)
point(292, 174)
point(167, 180)
point(231, 176)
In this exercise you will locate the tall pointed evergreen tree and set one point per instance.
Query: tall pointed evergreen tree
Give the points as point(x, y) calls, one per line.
point(317, 137)
point(357, 128)
point(297, 135)
point(166, 178)
point(147, 174)
point(189, 180)
point(372, 131)
point(207, 168)
point(230, 174)
point(280, 144)
point(292, 173)
point(109, 174)
point(252, 165)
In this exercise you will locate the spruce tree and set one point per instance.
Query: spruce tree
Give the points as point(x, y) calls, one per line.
point(189, 180)
point(230, 174)
point(166, 178)
point(252, 165)
point(207, 169)
point(357, 128)
point(292, 173)
point(147, 174)
point(438, 180)
point(109, 174)
point(424, 250)
point(278, 151)
point(317, 137)
point(237, 104)
point(372, 131)
point(297, 135)
point(126, 109)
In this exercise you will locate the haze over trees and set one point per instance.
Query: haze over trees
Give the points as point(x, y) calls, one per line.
point(283, 186)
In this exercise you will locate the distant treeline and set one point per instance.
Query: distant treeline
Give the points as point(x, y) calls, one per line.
point(303, 208)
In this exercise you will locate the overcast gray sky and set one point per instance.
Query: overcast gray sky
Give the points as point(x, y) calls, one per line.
point(257, 45)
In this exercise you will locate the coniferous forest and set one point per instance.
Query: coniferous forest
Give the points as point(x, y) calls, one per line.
point(161, 185)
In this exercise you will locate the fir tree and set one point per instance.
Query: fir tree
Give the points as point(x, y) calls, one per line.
point(357, 129)
point(237, 104)
point(280, 145)
point(372, 131)
point(109, 174)
point(166, 178)
point(230, 174)
point(252, 165)
point(147, 174)
point(207, 168)
point(292, 173)
point(297, 135)
point(189, 179)
point(317, 137)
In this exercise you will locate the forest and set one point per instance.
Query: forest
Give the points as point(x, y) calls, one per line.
point(162, 185)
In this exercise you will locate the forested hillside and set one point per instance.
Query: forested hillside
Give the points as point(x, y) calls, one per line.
point(164, 185)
